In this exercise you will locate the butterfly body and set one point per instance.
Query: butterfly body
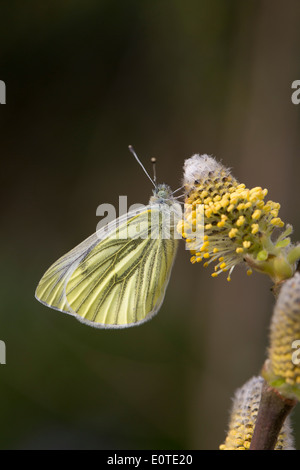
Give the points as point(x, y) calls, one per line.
point(162, 194)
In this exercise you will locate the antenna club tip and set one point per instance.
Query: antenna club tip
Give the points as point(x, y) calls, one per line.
point(153, 160)
point(131, 149)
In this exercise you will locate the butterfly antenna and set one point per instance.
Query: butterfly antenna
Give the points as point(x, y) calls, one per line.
point(153, 161)
point(178, 189)
point(138, 160)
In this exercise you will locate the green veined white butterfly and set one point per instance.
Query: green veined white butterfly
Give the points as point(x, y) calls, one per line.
point(114, 281)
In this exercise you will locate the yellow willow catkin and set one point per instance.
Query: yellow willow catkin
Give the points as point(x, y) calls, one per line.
point(238, 222)
point(243, 418)
point(282, 369)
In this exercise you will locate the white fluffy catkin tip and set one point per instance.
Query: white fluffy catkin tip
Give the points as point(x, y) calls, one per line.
point(198, 167)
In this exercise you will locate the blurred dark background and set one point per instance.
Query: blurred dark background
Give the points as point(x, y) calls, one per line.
point(84, 79)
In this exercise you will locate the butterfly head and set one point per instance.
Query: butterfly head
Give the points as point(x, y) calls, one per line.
point(162, 194)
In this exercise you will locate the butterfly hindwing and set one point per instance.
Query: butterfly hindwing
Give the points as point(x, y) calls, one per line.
point(51, 288)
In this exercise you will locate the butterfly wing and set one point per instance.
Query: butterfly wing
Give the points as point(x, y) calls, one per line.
point(119, 280)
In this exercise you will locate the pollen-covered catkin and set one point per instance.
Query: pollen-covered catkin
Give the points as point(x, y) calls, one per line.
point(282, 369)
point(237, 222)
point(243, 418)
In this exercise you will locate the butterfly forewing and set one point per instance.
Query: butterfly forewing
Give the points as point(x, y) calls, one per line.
point(117, 281)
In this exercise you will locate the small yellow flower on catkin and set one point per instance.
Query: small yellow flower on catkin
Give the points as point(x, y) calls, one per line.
point(282, 369)
point(237, 221)
point(243, 418)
